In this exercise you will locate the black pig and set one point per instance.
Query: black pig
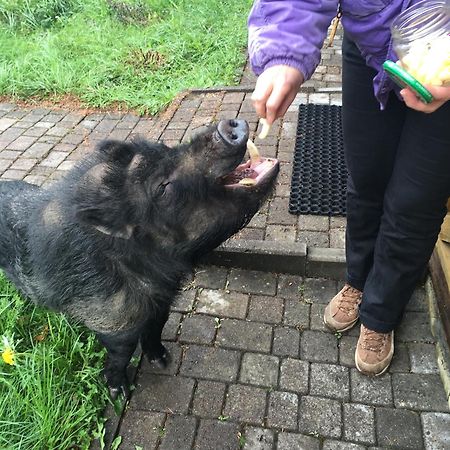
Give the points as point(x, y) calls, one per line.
point(110, 243)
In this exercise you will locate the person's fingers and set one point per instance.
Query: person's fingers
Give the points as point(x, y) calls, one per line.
point(263, 89)
point(286, 103)
point(413, 102)
point(278, 96)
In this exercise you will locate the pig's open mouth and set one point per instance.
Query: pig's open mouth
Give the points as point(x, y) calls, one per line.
point(251, 173)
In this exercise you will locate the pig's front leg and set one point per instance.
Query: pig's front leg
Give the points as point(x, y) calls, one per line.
point(120, 347)
point(151, 338)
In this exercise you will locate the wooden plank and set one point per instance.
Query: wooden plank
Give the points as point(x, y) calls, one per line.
point(440, 274)
point(445, 229)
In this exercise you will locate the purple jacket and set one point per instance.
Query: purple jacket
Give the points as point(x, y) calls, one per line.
point(292, 32)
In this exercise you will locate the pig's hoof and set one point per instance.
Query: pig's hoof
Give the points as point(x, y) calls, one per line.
point(162, 360)
point(115, 391)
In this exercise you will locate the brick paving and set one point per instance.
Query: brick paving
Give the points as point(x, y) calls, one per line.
point(254, 368)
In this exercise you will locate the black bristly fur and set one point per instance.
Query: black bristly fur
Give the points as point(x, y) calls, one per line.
point(110, 243)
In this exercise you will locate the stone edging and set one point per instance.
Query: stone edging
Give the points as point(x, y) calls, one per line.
point(442, 350)
point(273, 256)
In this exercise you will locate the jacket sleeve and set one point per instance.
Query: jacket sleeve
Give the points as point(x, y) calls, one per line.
point(288, 32)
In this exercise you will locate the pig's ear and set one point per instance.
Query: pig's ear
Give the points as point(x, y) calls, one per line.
point(117, 151)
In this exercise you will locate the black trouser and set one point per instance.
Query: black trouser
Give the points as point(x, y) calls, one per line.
point(399, 180)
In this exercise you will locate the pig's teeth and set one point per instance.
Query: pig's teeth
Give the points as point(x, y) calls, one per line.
point(247, 181)
point(253, 152)
point(265, 128)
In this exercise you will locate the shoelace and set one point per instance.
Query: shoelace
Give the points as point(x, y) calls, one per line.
point(350, 299)
point(373, 341)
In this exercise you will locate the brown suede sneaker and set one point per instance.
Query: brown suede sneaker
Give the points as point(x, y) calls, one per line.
point(374, 351)
point(342, 312)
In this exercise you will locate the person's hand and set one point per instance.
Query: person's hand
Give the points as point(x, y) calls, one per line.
point(275, 90)
point(441, 95)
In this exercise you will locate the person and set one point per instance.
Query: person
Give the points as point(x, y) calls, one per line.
point(397, 151)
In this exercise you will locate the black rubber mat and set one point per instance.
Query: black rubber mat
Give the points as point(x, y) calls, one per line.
point(319, 175)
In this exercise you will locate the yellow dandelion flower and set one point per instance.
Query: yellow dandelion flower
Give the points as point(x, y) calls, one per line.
point(8, 352)
point(8, 356)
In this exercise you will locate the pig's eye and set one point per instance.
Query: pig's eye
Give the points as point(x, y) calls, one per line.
point(162, 188)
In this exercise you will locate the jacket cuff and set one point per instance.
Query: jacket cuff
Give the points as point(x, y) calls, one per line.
point(288, 62)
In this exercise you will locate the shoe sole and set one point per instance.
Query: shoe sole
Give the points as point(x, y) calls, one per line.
point(341, 330)
point(371, 374)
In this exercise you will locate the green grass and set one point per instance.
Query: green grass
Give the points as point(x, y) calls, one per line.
point(53, 396)
point(138, 53)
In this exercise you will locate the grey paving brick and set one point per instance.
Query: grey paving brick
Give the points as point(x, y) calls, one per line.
point(9, 154)
point(4, 164)
point(179, 433)
point(436, 430)
point(286, 342)
point(54, 117)
point(317, 346)
point(245, 335)
point(338, 222)
point(210, 363)
point(222, 303)
point(419, 391)
point(400, 361)
point(278, 212)
point(319, 290)
point(258, 221)
point(294, 375)
point(215, 434)
point(290, 286)
point(370, 390)
point(57, 131)
point(211, 277)
point(316, 317)
point(265, 309)
point(313, 223)
point(76, 139)
point(208, 399)
point(258, 439)
point(252, 282)
point(11, 174)
point(293, 441)
point(280, 233)
point(337, 238)
point(282, 412)
point(140, 428)
point(418, 301)
point(399, 428)
point(423, 358)
point(320, 415)
point(54, 159)
point(35, 131)
point(340, 445)
point(359, 423)
point(261, 370)
point(251, 234)
point(22, 143)
point(314, 238)
point(6, 122)
point(198, 329)
point(296, 314)
point(329, 380)
point(184, 302)
point(415, 326)
point(162, 393)
point(170, 330)
point(24, 164)
point(246, 403)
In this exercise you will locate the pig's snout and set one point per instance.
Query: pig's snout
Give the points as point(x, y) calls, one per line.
point(234, 132)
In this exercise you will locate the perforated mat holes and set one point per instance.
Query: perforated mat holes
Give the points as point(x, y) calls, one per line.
point(319, 175)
